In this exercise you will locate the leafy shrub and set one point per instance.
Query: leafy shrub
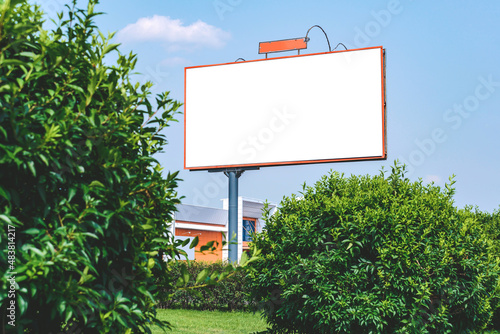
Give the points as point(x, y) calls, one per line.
point(78, 181)
point(490, 225)
point(230, 294)
point(491, 222)
point(374, 255)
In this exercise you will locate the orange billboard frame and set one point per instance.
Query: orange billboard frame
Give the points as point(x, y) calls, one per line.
point(383, 143)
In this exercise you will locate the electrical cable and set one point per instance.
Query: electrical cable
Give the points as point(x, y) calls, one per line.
point(338, 46)
point(307, 40)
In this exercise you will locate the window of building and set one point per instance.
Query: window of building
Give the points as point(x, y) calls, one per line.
point(248, 228)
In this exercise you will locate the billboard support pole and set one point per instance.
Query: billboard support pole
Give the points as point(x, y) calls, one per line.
point(233, 175)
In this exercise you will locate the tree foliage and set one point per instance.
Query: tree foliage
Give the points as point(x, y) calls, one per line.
point(378, 254)
point(78, 181)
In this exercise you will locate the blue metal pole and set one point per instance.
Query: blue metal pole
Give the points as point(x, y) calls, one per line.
point(233, 215)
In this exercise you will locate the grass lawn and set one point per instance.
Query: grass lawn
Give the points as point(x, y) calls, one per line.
point(198, 322)
point(210, 322)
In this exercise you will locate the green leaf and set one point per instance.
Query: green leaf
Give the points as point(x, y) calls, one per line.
point(110, 47)
point(13, 62)
point(244, 259)
point(71, 193)
point(194, 243)
point(44, 159)
point(6, 219)
point(214, 277)
point(32, 231)
point(185, 275)
point(22, 304)
point(75, 87)
point(209, 246)
point(27, 54)
point(122, 321)
point(4, 193)
point(180, 282)
point(31, 165)
point(202, 276)
point(69, 314)
point(96, 183)
point(161, 240)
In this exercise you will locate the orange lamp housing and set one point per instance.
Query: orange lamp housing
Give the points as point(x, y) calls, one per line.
point(283, 45)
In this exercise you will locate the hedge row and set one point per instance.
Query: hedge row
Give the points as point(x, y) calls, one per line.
point(230, 294)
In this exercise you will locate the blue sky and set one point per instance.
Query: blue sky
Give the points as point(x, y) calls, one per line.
point(443, 80)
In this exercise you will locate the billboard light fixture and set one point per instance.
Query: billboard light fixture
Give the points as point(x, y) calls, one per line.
point(283, 45)
point(292, 44)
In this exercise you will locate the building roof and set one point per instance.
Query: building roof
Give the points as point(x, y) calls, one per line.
point(253, 208)
point(200, 214)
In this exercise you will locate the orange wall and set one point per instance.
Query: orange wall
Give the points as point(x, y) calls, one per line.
point(204, 237)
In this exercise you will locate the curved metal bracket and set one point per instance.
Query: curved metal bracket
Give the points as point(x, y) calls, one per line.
point(306, 39)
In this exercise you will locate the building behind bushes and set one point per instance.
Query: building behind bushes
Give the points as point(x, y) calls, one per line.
point(211, 224)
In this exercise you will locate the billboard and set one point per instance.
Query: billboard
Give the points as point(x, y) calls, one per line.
point(313, 108)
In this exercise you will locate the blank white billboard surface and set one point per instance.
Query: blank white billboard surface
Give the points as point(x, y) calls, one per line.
point(292, 110)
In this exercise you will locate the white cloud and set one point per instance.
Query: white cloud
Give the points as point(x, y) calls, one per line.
point(165, 29)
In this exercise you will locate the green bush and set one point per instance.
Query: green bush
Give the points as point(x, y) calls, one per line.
point(375, 255)
point(229, 294)
point(490, 225)
point(79, 186)
point(491, 222)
